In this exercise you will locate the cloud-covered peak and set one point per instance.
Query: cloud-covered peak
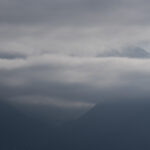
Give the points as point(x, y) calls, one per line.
point(131, 52)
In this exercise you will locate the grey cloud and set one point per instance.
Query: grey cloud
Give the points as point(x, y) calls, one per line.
point(75, 27)
point(72, 12)
point(48, 49)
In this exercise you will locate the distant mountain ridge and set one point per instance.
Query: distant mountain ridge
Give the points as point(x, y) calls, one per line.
point(131, 52)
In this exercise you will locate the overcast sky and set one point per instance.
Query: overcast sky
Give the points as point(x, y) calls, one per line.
point(74, 53)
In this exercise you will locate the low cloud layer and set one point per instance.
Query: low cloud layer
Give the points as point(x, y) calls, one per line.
point(85, 80)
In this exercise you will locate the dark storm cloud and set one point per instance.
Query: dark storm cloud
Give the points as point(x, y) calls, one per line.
point(16, 11)
point(9, 55)
point(72, 11)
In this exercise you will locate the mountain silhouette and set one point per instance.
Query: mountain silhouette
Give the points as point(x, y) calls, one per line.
point(112, 125)
point(116, 125)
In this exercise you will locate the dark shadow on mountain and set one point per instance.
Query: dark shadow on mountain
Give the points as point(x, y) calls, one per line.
point(112, 125)
point(18, 131)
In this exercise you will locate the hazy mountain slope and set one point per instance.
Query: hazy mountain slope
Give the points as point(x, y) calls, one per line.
point(18, 131)
point(112, 125)
point(108, 126)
